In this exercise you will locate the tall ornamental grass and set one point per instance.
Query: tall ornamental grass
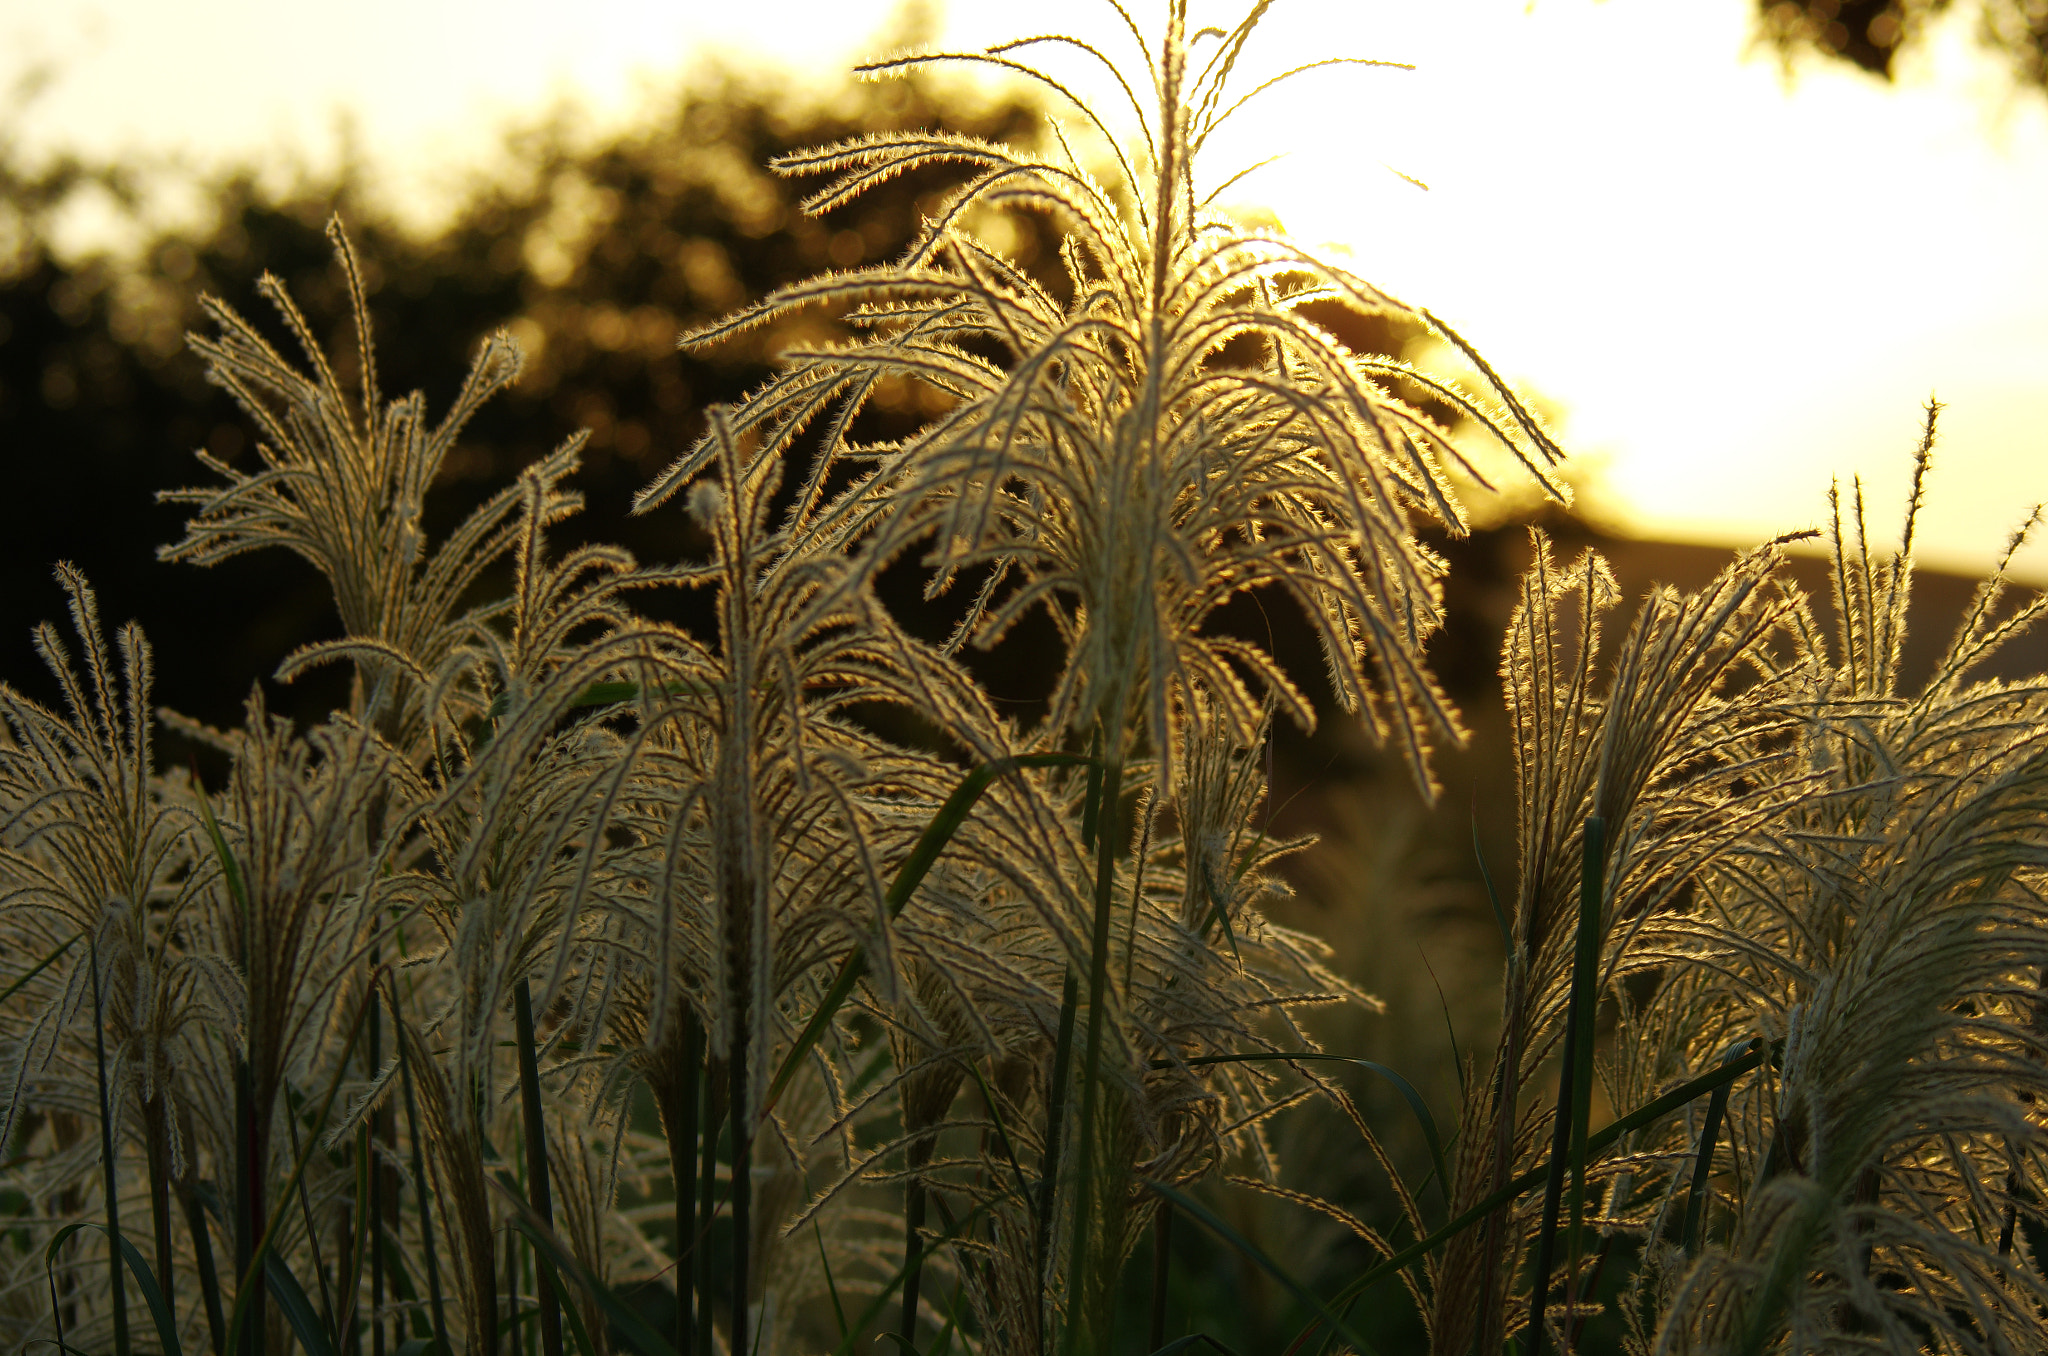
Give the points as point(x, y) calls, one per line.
point(769, 964)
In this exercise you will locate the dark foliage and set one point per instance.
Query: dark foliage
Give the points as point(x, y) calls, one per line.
point(1871, 33)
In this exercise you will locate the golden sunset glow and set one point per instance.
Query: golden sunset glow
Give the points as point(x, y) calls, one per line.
point(1727, 286)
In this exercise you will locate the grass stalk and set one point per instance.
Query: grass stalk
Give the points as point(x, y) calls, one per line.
point(920, 1155)
point(157, 1139)
point(1568, 1140)
point(707, 1201)
point(1162, 1272)
point(1091, 1059)
point(1062, 1068)
point(378, 1177)
point(117, 1293)
point(420, 1188)
point(1586, 1002)
point(741, 1188)
point(538, 1192)
point(1055, 1128)
point(245, 1324)
point(677, 1095)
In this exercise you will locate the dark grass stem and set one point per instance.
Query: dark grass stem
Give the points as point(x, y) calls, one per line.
point(209, 1275)
point(707, 1200)
point(421, 1199)
point(536, 1135)
point(1693, 1233)
point(1086, 1129)
point(156, 1134)
point(679, 1094)
point(117, 1292)
point(740, 1188)
point(920, 1156)
point(1162, 1273)
point(245, 1324)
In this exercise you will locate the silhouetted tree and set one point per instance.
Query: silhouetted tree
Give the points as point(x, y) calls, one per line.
point(596, 255)
point(1871, 33)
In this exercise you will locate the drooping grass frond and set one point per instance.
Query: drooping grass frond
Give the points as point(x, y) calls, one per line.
point(1175, 435)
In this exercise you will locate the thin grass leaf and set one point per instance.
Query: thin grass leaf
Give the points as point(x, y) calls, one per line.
point(1647, 1114)
point(40, 966)
point(1215, 1224)
point(1409, 1094)
point(638, 1332)
point(145, 1281)
point(296, 1306)
point(915, 867)
point(245, 1291)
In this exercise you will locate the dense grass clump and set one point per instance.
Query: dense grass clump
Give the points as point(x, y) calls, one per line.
point(595, 980)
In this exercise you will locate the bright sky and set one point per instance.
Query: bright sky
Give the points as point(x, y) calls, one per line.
point(1728, 287)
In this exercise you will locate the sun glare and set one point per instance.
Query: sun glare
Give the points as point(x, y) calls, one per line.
point(1728, 286)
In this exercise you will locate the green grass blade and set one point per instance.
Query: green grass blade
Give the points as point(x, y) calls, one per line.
point(1215, 1224)
point(915, 867)
point(297, 1308)
point(1574, 1089)
point(145, 1281)
point(1647, 1114)
point(113, 1199)
point(831, 1282)
point(189, 1196)
point(1408, 1092)
point(246, 1290)
point(40, 966)
point(231, 869)
point(639, 1334)
point(577, 1331)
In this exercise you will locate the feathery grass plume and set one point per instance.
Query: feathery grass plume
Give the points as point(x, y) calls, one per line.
point(764, 812)
point(94, 858)
point(1893, 941)
point(1172, 435)
point(343, 485)
point(801, 876)
point(1204, 1015)
point(1118, 463)
point(1681, 756)
point(470, 807)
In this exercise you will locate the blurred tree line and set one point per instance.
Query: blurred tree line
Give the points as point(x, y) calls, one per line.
point(596, 254)
point(1871, 33)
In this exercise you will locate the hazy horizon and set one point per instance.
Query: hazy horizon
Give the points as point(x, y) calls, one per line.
point(1728, 286)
